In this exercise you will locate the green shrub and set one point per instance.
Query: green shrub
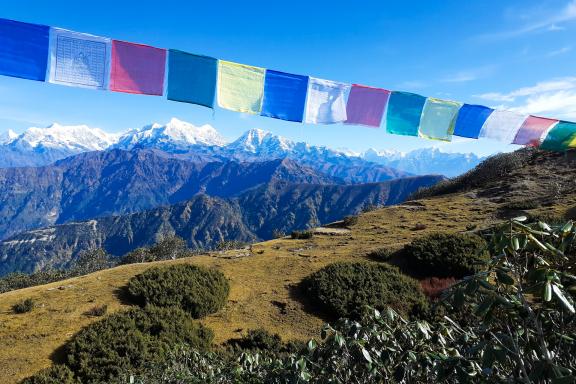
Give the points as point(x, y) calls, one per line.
point(91, 260)
point(18, 280)
point(345, 289)
point(521, 205)
point(381, 254)
point(168, 248)
point(129, 341)
point(228, 245)
point(197, 290)
point(302, 235)
point(97, 311)
point(23, 306)
point(139, 255)
point(446, 254)
point(57, 374)
point(258, 339)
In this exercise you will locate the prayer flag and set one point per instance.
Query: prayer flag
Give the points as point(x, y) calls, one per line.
point(470, 120)
point(366, 105)
point(23, 50)
point(137, 68)
point(284, 96)
point(79, 59)
point(240, 87)
point(192, 78)
point(404, 112)
point(326, 102)
point(532, 129)
point(438, 119)
point(561, 137)
point(502, 126)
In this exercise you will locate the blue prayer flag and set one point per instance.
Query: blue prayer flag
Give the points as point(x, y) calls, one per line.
point(470, 120)
point(284, 96)
point(192, 78)
point(404, 112)
point(24, 49)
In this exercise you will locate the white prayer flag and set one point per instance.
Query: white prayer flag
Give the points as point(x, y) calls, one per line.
point(79, 59)
point(502, 126)
point(326, 103)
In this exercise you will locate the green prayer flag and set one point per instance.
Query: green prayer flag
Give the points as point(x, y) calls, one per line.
point(560, 137)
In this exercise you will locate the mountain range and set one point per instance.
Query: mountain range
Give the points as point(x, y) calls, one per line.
point(279, 196)
point(43, 146)
point(64, 189)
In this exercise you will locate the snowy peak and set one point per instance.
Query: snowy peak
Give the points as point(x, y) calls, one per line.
point(175, 135)
point(8, 137)
point(76, 138)
point(260, 141)
point(424, 161)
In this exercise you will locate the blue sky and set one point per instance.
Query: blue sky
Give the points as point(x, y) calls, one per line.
point(513, 54)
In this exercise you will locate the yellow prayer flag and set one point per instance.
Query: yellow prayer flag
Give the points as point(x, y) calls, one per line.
point(240, 87)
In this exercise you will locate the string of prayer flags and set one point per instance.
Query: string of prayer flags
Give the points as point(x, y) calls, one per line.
point(438, 119)
point(326, 103)
point(502, 126)
point(404, 112)
point(240, 87)
point(59, 56)
point(137, 68)
point(532, 130)
point(561, 137)
point(23, 50)
point(366, 105)
point(284, 96)
point(78, 59)
point(470, 120)
point(192, 78)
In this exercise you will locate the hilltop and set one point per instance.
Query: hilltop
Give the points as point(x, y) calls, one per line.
point(264, 276)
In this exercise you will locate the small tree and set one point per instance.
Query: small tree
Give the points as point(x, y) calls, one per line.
point(139, 255)
point(91, 260)
point(169, 248)
point(524, 306)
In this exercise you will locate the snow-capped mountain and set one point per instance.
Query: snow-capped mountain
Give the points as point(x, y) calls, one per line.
point(7, 137)
point(175, 136)
point(424, 161)
point(75, 138)
point(260, 142)
point(41, 146)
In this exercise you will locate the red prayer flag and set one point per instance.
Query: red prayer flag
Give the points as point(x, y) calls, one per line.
point(532, 130)
point(137, 68)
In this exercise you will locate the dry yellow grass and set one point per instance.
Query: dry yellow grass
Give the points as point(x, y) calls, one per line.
point(262, 283)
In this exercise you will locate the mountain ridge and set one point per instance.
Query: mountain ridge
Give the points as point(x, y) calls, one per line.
point(205, 220)
point(42, 146)
point(102, 183)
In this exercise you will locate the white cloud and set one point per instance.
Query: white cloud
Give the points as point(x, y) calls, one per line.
point(560, 51)
point(554, 98)
point(551, 22)
point(469, 74)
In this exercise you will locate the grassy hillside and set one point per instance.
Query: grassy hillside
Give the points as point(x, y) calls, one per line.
point(264, 278)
